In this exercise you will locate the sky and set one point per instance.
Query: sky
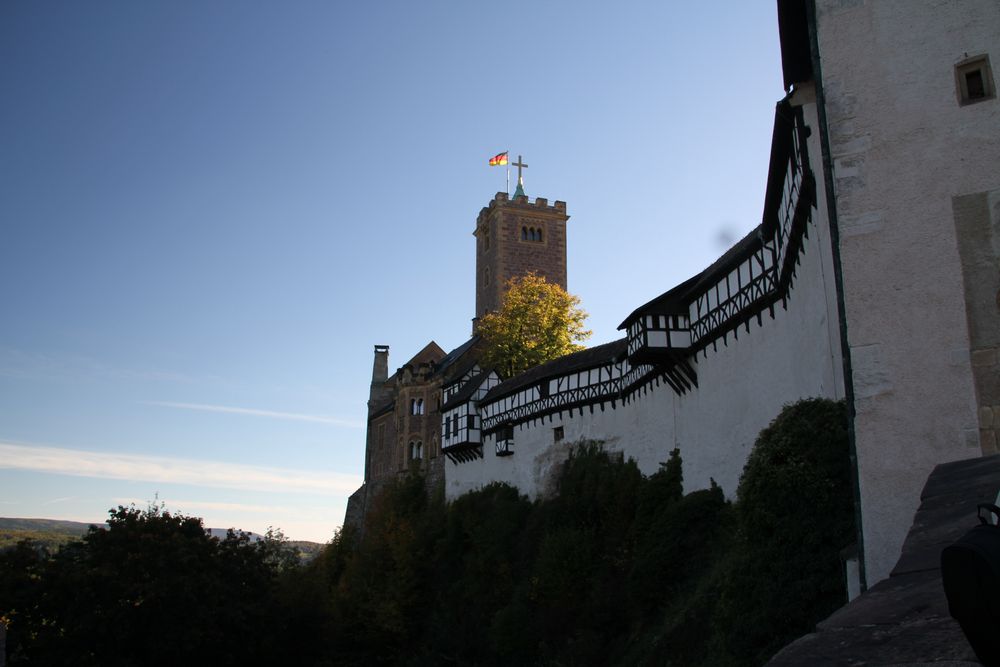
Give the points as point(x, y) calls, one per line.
point(211, 212)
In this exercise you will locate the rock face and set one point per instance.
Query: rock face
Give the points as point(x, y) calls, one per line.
point(904, 620)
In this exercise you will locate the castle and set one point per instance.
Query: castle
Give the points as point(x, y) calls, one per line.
point(873, 276)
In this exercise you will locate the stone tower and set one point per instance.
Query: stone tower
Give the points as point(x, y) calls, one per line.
point(515, 236)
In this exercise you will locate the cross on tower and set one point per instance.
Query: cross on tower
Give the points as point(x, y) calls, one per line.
point(519, 164)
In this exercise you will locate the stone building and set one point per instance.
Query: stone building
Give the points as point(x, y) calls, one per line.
point(873, 276)
point(909, 122)
point(514, 236)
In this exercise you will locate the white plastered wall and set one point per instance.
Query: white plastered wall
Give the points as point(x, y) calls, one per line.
point(902, 147)
point(742, 385)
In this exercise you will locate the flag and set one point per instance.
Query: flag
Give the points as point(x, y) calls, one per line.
point(499, 159)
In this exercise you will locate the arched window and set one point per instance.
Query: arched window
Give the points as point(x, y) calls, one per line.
point(416, 450)
point(486, 277)
point(420, 407)
point(531, 234)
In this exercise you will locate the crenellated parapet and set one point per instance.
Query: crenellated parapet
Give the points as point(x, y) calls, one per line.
point(515, 236)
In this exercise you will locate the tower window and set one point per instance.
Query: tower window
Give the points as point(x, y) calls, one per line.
point(416, 406)
point(974, 79)
point(486, 277)
point(531, 234)
point(416, 450)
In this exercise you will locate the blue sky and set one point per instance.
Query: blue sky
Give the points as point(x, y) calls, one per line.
point(210, 213)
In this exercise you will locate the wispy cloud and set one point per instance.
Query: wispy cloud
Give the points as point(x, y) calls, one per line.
point(216, 474)
point(64, 499)
point(294, 416)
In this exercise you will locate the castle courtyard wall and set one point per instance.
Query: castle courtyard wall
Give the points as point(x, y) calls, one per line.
point(743, 382)
point(904, 149)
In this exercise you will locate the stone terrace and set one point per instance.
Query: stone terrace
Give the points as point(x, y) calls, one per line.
point(904, 620)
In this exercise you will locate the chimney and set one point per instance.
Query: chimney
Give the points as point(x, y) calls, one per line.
point(380, 373)
point(380, 369)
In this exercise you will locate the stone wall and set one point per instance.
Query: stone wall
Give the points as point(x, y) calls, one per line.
point(902, 148)
point(977, 226)
point(502, 253)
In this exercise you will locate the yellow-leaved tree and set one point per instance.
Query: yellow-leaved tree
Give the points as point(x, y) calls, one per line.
point(538, 321)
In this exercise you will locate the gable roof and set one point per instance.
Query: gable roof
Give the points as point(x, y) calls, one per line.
point(431, 353)
point(455, 358)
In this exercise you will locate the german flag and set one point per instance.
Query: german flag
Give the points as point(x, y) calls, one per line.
point(499, 159)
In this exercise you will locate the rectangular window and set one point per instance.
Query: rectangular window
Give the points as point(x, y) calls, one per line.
point(505, 441)
point(974, 80)
point(558, 434)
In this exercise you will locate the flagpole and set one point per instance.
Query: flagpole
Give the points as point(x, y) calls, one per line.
point(508, 172)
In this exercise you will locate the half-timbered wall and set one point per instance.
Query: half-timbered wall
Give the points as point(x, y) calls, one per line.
point(747, 367)
point(450, 390)
point(461, 435)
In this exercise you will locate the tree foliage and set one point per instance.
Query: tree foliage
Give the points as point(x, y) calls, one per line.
point(616, 568)
point(795, 515)
point(538, 321)
point(152, 588)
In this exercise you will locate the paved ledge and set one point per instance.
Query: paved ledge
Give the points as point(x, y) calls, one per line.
point(904, 621)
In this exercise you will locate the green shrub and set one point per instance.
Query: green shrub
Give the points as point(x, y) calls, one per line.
point(795, 514)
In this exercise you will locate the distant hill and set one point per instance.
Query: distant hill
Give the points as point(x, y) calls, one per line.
point(53, 533)
point(47, 525)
